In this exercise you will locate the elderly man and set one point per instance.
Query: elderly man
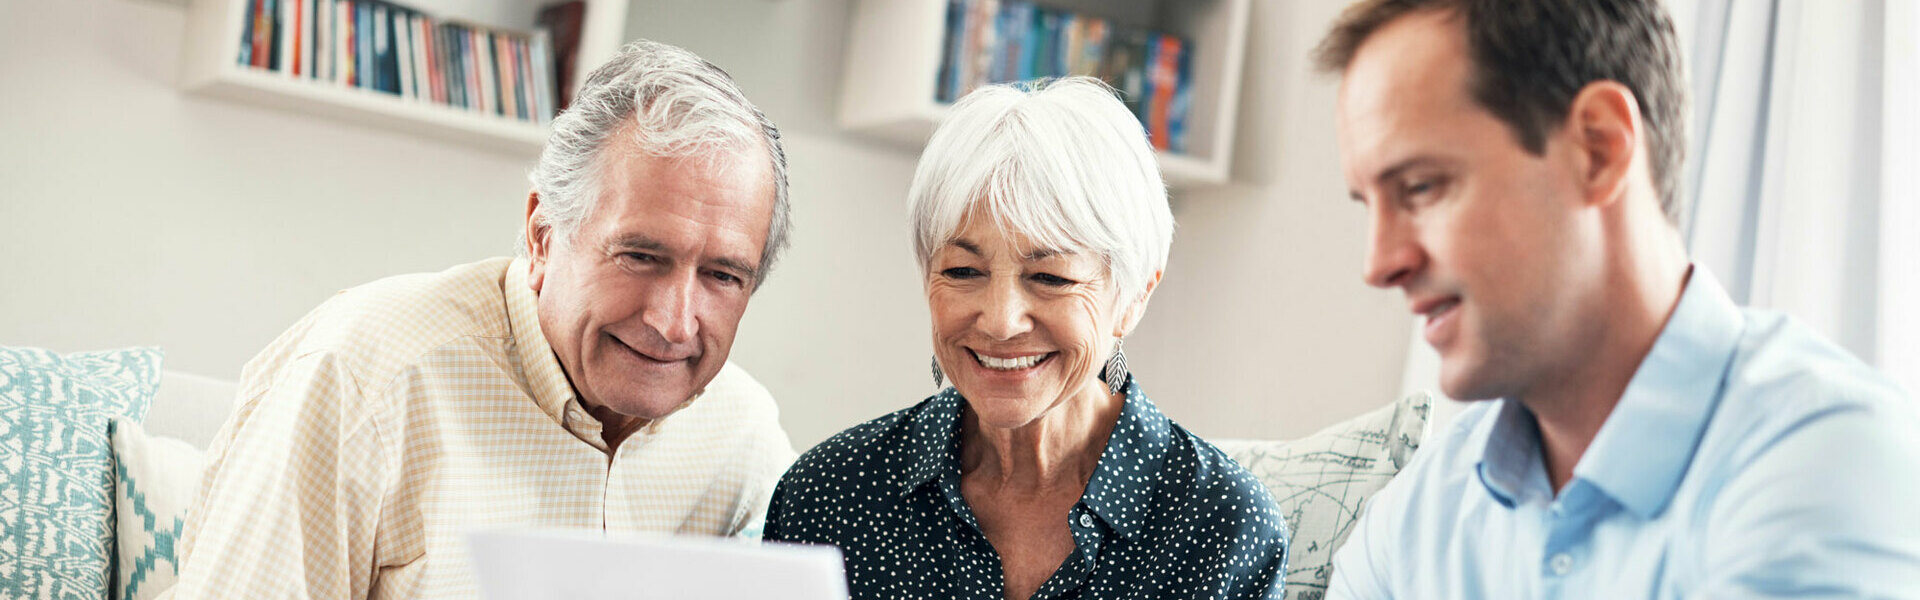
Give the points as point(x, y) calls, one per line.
point(1644, 436)
point(584, 385)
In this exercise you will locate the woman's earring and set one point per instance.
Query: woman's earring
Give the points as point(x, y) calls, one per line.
point(1115, 372)
point(939, 379)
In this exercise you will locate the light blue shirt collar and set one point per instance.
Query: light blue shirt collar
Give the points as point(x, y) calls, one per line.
point(1641, 453)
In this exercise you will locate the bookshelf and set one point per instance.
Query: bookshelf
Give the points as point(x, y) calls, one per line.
point(210, 69)
point(889, 85)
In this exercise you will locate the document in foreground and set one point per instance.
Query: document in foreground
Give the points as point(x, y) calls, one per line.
point(589, 565)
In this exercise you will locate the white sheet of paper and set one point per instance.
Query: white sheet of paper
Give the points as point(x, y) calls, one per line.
point(590, 565)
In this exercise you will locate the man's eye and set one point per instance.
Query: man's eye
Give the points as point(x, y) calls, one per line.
point(960, 273)
point(727, 278)
point(1051, 279)
point(640, 257)
point(1422, 189)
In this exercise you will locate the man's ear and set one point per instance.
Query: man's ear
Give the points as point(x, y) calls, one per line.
point(1137, 308)
point(1607, 135)
point(539, 239)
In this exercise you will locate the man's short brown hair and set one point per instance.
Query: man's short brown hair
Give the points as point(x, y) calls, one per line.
point(1531, 57)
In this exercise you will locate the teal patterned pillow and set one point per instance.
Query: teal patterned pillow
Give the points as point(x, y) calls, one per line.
point(56, 479)
point(156, 480)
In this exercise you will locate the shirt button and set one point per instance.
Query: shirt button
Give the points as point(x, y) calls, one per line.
point(1086, 520)
point(1560, 563)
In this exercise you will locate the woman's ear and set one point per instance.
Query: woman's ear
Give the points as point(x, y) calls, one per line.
point(1136, 308)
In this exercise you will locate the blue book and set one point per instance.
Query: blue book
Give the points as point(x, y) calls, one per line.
point(1027, 30)
point(948, 87)
point(1047, 41)
point(246, 36)
point(273, 35)
point(363, 42)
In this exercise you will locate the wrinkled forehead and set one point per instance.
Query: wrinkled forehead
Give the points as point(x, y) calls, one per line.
point(1405, 90)
point(992, 227)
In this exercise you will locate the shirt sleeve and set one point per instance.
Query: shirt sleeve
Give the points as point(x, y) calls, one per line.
point(1361, 563)
point(1266, 579)
point(770, 461)
point(290, 502)
point(1824, 510)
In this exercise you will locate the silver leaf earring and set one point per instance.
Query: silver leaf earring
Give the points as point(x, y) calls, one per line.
point(939, 379)
point(1115, 372)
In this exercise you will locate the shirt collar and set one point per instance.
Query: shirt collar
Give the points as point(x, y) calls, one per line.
point(544, 377)
point(1510, 463)
point(932, 438)
point(1122, 484)
point(1643, 450)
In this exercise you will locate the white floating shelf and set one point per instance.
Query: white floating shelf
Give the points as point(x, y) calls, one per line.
point(211, 69)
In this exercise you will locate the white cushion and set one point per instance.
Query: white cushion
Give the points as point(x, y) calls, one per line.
point(155, 482)
point(191, 407)
point(1323, 480)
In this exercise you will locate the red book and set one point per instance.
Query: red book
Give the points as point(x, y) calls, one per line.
point(299, 20)
point(262, 33)
point(1165, 75)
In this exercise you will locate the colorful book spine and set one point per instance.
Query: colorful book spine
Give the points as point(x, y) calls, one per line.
point(388, 48)
point(997, 41)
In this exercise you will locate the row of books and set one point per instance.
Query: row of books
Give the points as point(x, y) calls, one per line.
point(385, 47)
point(999, 41)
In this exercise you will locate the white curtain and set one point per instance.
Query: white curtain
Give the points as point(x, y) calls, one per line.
point(1802, 169)
point(1800, 173)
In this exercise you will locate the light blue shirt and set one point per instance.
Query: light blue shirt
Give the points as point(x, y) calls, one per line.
point(1748, 458)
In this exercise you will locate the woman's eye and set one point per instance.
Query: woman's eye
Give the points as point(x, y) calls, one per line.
point(960, 273)
point(1051, 279)
point(640, 257)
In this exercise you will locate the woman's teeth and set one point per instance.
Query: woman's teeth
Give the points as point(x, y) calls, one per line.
point(1008, 364)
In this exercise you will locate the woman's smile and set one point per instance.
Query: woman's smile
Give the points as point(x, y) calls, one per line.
point(1010, 362)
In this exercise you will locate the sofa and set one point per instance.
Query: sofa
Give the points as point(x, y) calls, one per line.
point(154, 455)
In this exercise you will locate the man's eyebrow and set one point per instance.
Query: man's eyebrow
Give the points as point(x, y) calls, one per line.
point(1419, 160)
point(741, 267)
point(636, 241)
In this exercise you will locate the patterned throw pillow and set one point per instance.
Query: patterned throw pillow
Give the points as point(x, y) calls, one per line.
point(1322, 481)
point(155, 480)
point(55, 476)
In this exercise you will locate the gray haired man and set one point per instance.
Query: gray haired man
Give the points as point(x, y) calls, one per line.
point(584, 384)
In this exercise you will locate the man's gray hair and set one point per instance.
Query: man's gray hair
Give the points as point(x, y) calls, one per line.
point(675, 105)
point(1063, 163)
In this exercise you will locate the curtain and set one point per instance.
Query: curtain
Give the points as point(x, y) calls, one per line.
point(1799, 174)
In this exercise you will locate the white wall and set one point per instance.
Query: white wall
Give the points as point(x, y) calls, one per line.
point(133, 214)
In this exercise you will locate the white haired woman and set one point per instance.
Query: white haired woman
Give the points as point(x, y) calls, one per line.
point(1042, 227)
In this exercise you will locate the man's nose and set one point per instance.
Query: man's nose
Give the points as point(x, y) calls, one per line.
point(1393, 255)
point(669, 309)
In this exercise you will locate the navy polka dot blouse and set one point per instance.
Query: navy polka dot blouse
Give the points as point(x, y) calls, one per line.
point(1165, 515)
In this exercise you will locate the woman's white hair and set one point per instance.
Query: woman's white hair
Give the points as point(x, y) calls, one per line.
point(666, 102)
point(1061, 162)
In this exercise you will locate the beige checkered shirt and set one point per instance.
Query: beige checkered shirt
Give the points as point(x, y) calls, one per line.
point(402, 414)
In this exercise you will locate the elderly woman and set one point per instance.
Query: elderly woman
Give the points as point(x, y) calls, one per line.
point(1042, 227)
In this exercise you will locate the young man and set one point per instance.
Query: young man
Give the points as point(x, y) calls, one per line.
point(583, 386)
point(1640, 435)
